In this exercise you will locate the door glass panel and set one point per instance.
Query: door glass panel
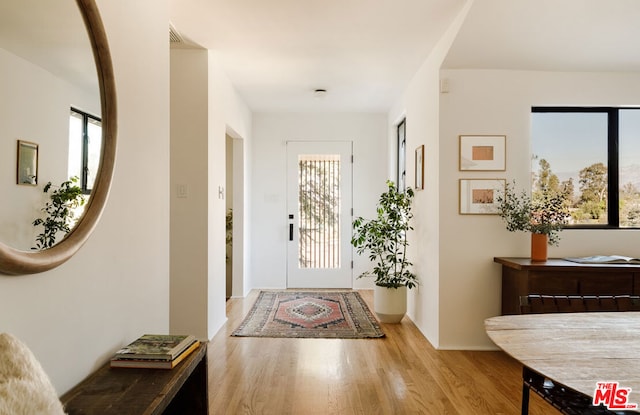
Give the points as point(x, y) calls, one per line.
point(319, 211)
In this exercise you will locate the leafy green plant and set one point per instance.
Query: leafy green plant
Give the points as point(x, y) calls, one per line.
point(546, 213)
point(59, 212)
point(228, 221)
point(385, 238)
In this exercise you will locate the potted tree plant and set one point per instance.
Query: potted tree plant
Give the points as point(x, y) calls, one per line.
point(59, 211)
point(544, 216)
point(385, 238)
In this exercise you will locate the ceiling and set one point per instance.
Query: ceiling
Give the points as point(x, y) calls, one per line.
point(364, 53)
point(554, 35)
point(278, 52)
point(50, 34)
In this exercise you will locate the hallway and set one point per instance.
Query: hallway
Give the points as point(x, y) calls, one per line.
point(400, 374)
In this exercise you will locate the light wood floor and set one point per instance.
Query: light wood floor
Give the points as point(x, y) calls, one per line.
point(399, 374)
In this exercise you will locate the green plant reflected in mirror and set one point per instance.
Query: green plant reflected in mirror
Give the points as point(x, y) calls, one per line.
point(54, 57)
point(60, 212)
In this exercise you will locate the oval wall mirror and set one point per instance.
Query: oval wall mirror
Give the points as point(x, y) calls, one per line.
point(39, 44)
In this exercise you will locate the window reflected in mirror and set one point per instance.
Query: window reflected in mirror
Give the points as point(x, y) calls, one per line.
point(85, 143)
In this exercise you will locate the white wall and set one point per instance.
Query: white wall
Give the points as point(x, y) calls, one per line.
point(189, 213)
point(240, 258)
point(204, 106)
point(37, 111)
point(117, 287)
point(499, 102)
point(420, 104)
point(269, 215)
point(229, 205)
point(228, 113)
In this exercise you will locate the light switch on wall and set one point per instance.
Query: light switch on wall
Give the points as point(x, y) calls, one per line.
point(182, 190)
point(220, 192)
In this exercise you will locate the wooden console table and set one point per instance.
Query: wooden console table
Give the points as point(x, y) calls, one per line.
point(126, 391)
point(521, 277)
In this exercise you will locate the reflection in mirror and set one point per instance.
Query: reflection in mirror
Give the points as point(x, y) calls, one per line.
point(85, 144)
point(27, 164)
point(48, 70)
point(25, 111)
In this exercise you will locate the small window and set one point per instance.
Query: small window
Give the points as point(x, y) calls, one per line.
point(592, 156)
point(401, 179)
point(85, 145)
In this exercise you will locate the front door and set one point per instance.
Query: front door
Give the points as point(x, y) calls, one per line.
point(319, 214)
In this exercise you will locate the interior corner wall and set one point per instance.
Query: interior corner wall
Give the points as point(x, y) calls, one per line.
point(116, 287)
point(499, 102)
point(204, 105)
point(421, 106)
point(229, 206)
point(188, 190)
point(271, 131)
point(239, 236)
point(227, 112)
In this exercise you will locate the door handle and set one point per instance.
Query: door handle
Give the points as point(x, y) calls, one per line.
point(291, 227)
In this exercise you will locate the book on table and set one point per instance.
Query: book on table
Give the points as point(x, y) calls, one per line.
point(146, 363)
point(163, 351)
point(605, 259)
point(156, 347)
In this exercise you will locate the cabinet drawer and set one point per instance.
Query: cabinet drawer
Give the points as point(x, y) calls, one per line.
point(552, 283)
point(636, 283)
point(606, 284)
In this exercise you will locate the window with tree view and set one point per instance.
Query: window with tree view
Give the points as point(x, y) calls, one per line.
point(592, 157)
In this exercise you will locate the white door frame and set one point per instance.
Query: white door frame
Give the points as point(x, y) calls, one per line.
point(333, 277)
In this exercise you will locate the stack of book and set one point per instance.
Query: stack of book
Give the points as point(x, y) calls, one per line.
point(155, 351)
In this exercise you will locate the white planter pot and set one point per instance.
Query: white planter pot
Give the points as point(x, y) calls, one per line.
point(390, 304)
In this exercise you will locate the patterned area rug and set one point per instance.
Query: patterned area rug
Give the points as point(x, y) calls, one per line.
point(310, 314)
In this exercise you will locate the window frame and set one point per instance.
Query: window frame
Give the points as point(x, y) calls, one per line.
point(613, 123)
point(84, 165)
point(401, 160)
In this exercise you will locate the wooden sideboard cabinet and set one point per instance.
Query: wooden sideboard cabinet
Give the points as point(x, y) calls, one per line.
point(521, 277)
point(126, 391)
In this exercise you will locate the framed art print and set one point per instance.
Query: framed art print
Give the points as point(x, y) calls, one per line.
point(419, 168)
point(27, 163)
point(478, 196)
point(482, 152)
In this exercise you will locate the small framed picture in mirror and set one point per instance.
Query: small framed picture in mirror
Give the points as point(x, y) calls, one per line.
point(419, 180)
point(27, 165)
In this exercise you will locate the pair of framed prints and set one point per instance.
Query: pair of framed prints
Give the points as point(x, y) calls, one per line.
point(481, 153)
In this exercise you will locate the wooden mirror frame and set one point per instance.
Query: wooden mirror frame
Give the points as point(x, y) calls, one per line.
point(16, 262)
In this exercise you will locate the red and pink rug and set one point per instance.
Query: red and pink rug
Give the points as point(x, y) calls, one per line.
point(310, 314)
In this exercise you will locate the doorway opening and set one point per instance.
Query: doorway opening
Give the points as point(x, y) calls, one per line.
point(234, 216)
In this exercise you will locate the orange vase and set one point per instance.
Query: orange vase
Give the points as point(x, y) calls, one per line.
point(539, 243)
